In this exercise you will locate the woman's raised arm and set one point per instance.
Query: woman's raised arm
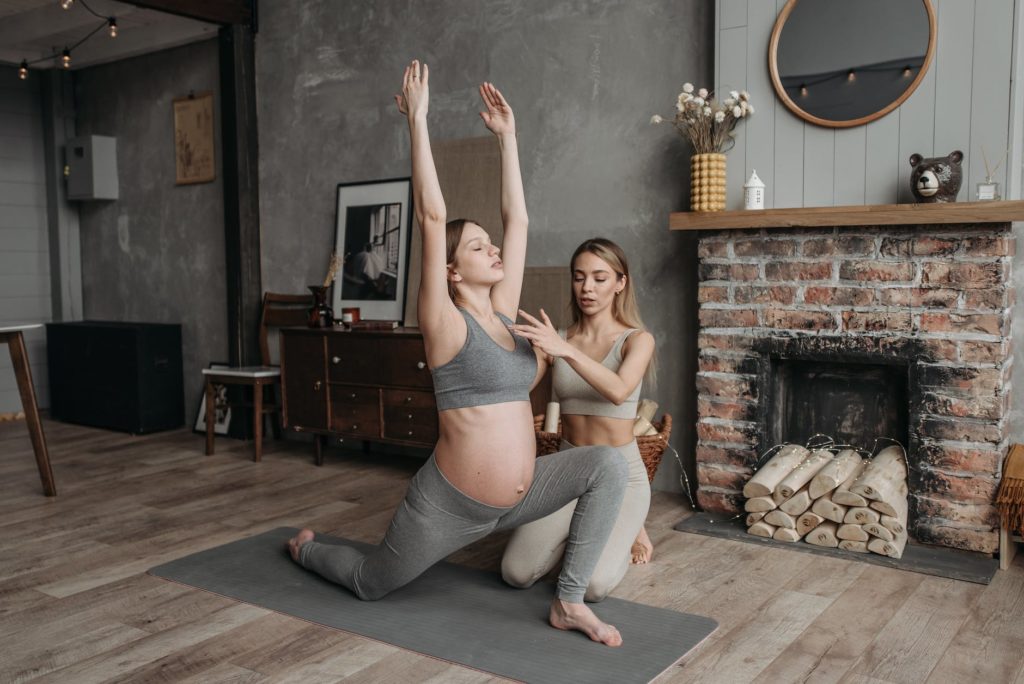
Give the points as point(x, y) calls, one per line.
point(499, 120)
point(434, 305)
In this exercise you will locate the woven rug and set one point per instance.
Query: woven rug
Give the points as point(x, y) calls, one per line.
point(453, 613)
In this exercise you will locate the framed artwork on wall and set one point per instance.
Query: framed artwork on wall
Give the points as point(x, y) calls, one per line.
point(222, 409)
point(372, 232)
point(193, 139)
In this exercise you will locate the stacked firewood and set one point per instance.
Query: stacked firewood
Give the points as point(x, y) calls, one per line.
point(834, 499)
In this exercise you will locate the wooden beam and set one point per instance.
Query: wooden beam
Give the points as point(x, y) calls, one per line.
point(860, 215)
point(241, 192)
point(224, 12)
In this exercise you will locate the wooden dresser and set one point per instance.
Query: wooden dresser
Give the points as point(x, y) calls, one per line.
point(367, 385)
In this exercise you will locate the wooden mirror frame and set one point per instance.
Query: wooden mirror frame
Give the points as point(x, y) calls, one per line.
point(780, 91)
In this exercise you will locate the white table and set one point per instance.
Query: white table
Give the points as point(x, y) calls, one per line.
point(12, 336)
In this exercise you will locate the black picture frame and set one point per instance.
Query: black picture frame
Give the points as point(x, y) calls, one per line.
point(227, 427)
point(373, 233)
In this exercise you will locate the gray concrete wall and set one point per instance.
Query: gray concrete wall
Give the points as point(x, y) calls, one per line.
point(24, 244)
point(583, 77)
point(157, 253)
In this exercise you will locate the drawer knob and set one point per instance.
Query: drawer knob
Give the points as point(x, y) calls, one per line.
point(410, 416)
point(352, 396)
point(336, 360)
point(410, 433)
point(408, 400)
point(421, 364)
point(355, 426)
point(316, 385)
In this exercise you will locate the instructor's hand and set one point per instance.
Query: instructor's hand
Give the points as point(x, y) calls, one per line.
point(543, 336)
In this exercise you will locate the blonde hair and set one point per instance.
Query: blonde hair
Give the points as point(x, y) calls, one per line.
point(624, 307)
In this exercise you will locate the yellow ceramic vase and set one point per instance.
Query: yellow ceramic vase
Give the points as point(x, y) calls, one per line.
point(707, 182)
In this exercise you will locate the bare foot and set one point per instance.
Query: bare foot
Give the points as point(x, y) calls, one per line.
point(296, 542)
point(643, 550)
point(579, 616)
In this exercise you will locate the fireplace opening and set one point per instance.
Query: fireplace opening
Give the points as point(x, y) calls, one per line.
point(854, 403)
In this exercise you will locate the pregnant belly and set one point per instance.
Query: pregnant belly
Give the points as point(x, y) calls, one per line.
point(488, 452)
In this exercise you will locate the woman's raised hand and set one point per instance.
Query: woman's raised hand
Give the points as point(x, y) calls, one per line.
point(415, 94)
point(498, 118)
point(542, 335)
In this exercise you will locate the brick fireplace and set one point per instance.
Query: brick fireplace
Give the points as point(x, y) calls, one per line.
point(898, 331)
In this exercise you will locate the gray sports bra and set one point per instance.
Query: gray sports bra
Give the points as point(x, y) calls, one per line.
point(578, 398)
point(483, 372)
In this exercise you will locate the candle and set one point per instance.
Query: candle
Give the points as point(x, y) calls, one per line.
point(551, 417)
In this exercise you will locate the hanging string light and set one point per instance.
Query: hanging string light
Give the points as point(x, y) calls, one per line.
point(851, 75)
point(109, 23)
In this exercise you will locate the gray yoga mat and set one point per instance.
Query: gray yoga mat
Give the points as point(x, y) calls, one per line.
point(457, 614)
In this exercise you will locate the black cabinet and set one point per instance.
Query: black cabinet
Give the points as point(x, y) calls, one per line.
point(121, 376)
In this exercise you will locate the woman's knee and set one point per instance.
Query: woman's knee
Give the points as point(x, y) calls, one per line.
point(607, 575)
point(518, 574)
point(597, 590)
point(370, 593)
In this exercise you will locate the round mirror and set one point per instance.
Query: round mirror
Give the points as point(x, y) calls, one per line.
point(839, 63)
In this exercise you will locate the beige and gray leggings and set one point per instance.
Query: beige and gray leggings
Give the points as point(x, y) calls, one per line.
point(436, 519)
point(537, 547)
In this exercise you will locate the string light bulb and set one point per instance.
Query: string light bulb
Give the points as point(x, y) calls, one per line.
point(906, 71)
point(851, 76)
point(803, 90)
point(23, 70)
point(65, 58)
point(66, 4)
point(112, 23)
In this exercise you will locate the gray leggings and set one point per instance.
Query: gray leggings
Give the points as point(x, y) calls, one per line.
point(435, 519)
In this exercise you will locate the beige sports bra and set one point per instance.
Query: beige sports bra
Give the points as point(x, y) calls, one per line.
point(576, 395)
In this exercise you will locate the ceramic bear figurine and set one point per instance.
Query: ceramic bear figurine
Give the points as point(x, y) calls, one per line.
point(936, 179)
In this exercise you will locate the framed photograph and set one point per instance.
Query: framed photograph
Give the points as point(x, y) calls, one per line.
point(193, 139)
point(373, 228)
point(222, 410)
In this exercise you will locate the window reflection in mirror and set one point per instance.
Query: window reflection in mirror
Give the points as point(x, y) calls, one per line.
point(843, 63)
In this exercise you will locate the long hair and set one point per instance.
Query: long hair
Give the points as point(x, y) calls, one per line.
point(453, 235)
point(624, 306)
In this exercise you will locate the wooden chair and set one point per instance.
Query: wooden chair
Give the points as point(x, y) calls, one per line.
point(278, 310)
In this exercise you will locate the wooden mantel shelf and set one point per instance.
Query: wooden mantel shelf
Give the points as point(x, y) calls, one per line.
point(859, 215)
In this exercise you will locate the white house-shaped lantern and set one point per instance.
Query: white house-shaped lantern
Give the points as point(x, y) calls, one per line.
point(753, 192)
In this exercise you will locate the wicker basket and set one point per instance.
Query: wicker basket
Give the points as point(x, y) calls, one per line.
point(651, 446)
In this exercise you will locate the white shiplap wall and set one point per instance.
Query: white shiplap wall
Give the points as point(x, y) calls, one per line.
point(24, 241)
point(962, 103)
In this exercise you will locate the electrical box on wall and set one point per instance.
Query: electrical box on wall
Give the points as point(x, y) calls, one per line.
point(91, 167)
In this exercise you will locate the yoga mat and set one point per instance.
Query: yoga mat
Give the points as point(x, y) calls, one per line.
point(453, 613)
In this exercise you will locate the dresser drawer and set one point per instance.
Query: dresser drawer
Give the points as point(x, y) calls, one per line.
point(355, 411)
point(410, 416)
point(356, 359)
point(405, 364)
point(358, 423)
point(354, 395)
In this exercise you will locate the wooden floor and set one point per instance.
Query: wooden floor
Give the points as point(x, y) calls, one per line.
point(77, 606)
